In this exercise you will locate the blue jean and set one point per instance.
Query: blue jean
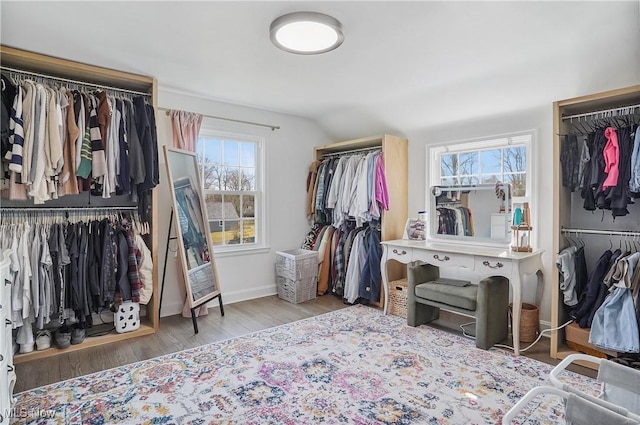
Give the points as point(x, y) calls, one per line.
point(615, 326)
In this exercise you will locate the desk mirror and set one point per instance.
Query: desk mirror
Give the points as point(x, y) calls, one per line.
point(192, 227)
point(471, 214)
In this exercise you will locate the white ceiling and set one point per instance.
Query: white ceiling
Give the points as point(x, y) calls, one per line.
point(403, 65)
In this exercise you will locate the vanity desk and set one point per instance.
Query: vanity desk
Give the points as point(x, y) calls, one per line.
point(485, 261)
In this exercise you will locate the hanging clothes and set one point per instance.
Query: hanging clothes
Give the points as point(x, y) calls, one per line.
point(68, 270)
point(615, 324)
point(60, 142)
point(602, 167)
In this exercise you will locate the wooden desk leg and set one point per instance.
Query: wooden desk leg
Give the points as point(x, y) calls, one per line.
point(516, 286)
point(385, 277)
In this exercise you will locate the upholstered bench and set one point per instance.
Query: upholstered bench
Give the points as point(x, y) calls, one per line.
point(488, 302)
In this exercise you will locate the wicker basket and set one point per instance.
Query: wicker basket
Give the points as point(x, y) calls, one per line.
point(296, 264)
point(297, 291)
point(529, 322)
point(398, 298)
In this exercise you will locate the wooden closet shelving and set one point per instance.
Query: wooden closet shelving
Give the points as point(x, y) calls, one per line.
point(84, 73)
point(564, 213)
point(395, 152)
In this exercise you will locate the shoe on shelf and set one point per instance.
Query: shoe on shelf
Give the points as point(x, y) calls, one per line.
point(77, 335)
point(43, 340)
point(26, 348)
point(63, 337)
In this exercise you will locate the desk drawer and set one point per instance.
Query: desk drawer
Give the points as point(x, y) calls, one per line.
point(493, 266)
point(444, 259)
point(399, 254)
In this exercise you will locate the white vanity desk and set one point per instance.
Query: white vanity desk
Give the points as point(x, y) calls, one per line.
point(482, 260)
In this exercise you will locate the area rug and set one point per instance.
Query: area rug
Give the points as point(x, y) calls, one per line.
point(351, 366)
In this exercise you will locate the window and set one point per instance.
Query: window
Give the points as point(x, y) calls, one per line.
point(485, 161)
point(231, 169)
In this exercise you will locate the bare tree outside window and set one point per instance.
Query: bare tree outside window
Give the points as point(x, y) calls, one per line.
point(515, 166)
point(506, 164)
point(229, 170)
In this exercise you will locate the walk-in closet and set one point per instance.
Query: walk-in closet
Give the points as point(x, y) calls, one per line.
point(78, 211)
point(356, 197)
point(596, 224)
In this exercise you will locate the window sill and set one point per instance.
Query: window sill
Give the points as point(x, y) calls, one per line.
point(222, 252)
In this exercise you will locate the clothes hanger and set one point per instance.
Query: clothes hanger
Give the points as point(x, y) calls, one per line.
point(565, 235)
point(580, 239)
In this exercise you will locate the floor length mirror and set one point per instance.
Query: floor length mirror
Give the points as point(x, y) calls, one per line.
point(192, 228)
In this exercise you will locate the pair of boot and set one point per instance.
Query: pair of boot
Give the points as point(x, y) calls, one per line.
point(63, 337)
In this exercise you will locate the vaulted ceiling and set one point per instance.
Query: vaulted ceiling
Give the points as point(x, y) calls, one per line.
point(403, 65)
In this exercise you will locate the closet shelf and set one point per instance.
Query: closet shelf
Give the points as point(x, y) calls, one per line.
point(56, 67)
point(95, 341)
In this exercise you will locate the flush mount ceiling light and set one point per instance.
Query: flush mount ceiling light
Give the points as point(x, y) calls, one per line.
point(306, 33)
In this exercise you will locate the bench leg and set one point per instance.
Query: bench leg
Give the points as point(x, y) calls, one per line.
point(492, 312)
point(419, 314)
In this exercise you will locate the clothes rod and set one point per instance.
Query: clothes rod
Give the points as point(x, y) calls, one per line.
point(361, 150)
point(624, 110)
point(602, 232)
point(71, 209)
point(76, 82)
point(272, 127)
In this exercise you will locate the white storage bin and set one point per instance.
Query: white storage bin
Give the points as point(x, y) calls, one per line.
point(296, 264)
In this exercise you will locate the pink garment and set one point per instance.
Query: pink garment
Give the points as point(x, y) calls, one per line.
point(382, 195)
point(611, 157)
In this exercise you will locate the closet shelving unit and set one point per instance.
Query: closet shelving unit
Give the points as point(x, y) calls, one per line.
point(91, 76)
point(395, 153)
point(569, 217)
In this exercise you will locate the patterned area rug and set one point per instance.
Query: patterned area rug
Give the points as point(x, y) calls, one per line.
point(352, 366)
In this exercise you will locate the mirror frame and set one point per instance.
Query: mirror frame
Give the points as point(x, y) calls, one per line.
point(434, 236)
point(191, 273)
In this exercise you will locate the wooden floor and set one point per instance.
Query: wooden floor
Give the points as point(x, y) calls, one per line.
point(176, 333)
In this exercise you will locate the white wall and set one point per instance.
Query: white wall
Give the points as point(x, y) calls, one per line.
point(288, 152)
point(539, 119)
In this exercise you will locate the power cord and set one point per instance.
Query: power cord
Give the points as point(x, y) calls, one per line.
point(509, 347)
point(105, 332)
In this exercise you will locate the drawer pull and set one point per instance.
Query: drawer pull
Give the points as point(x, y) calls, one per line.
point(437, 257)
point(488, 264)
point(403, 252)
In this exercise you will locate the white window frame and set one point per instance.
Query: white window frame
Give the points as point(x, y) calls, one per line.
point(525, 138)
point(493, 142)
point(260, 208)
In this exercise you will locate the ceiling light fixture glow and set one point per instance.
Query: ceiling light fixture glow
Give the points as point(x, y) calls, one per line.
point(306, 33)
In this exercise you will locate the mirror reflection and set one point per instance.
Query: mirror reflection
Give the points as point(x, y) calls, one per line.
point(188, 208)
point(478, 213)
point(192, 231)
point(191, 223)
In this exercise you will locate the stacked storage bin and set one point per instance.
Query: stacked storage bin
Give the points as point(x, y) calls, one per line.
point(297, 275)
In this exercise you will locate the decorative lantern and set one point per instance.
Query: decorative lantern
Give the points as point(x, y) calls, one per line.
point(522, 232)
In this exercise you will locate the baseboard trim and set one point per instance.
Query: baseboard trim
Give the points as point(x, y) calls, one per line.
point(230, 297)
